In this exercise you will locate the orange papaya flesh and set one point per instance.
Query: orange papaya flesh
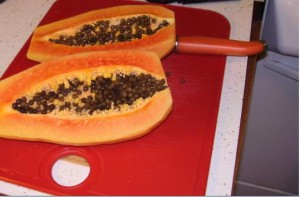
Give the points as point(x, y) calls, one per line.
point(86, 99)
point(147, 27)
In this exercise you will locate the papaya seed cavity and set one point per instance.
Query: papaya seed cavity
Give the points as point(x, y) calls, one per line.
point(112, 31)
point(100, 93)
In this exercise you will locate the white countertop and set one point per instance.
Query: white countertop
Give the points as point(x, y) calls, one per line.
point(18, 18)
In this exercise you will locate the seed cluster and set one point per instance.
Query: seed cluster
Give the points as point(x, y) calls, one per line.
point(100, 94)
point(102, 32)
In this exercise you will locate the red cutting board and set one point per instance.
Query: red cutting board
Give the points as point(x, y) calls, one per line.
point(173, 159)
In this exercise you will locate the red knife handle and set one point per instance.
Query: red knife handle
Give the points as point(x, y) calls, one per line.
point(217, 46)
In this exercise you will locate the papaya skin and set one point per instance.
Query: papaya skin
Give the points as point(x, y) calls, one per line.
point(162, 42)
point(84, 131)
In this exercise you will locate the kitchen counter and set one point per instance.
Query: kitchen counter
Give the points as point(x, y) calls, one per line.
point(19, 18)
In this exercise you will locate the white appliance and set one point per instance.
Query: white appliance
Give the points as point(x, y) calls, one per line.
point(270, 156)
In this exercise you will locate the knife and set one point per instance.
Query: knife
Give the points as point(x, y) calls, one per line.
point(217, 46)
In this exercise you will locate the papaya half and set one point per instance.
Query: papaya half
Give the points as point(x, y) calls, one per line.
point(86, 99)
point(147, 27)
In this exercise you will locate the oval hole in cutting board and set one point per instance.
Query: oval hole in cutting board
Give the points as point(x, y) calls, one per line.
point(70, 170)
point(80, 157)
